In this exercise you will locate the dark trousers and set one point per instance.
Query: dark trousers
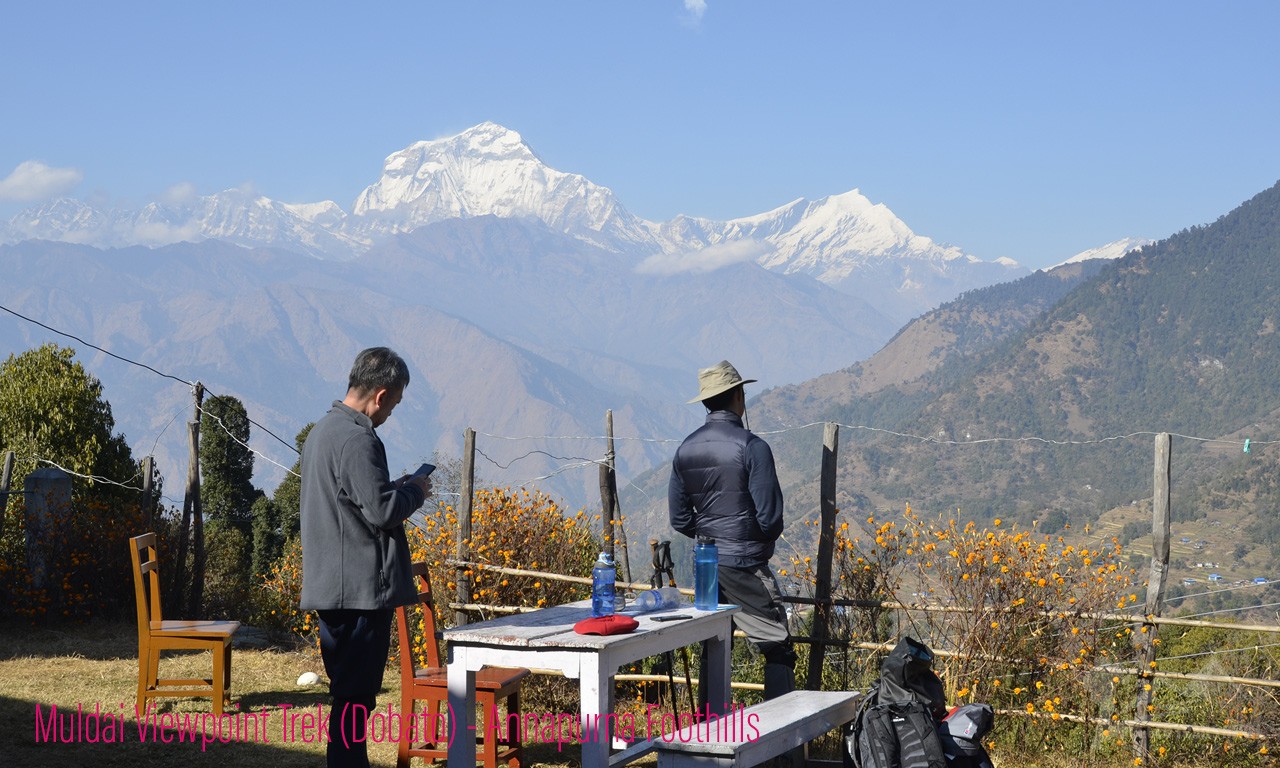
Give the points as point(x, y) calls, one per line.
point(354, 645)
point(764, 620)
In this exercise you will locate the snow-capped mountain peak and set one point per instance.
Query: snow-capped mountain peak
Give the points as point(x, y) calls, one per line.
point(833, 236)
point(490, 170)
point(465, 175)
point(844, 240)
point(1113, 250)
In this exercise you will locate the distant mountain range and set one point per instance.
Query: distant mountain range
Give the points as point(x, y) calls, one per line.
point(843, 240)
point(528, 300)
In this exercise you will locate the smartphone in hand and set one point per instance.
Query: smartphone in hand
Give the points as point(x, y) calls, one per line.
point(424, 470)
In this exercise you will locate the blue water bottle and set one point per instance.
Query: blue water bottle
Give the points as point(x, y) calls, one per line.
point(706, 581)
point(603, 576)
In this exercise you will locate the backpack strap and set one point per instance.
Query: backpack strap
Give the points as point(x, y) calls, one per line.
point(853, 732)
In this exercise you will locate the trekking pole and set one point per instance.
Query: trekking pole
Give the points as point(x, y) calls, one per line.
point(655, 580)
point(669, 658)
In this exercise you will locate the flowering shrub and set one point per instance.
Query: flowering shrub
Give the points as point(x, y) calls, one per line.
point(85, 550)
point(515, 529)
point(281, 588)
point(1026, 629)
point(1037, 599)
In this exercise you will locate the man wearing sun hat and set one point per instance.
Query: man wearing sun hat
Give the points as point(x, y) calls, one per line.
point(724, 485)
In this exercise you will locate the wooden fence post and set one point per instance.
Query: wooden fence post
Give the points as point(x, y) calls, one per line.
point(463, 593)
point(190, 504)
point(5, 478)
point(197, 511)
point(606, 490)
point(148, 504)
point(1160, 519)
point(826, 549)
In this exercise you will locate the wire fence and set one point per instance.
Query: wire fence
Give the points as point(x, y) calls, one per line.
point(885, 647)
point(569, 461)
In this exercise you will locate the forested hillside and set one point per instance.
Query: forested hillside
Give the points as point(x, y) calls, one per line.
point(1039, 424)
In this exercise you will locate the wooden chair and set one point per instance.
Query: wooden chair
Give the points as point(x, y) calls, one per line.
point(429, 684)
point(156, 634)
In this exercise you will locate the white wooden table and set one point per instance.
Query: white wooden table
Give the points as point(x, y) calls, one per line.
point(545, 639)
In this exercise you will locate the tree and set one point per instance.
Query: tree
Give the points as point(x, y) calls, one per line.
point(52, 411)
point(288, 496)
point(229, 579)
point(226, 462)
point(267, 539)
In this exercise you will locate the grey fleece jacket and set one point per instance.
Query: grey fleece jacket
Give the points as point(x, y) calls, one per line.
point(354, 551)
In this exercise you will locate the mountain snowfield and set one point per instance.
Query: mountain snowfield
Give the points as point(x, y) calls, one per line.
point(527, 300)
point(1109, 251)
point(489, 170)
point(843, 240)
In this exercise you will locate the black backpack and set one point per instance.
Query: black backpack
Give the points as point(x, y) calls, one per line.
point(897, 721)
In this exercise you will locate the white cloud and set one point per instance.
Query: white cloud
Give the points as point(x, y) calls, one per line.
point(708, 259)
point(155, 233)
point(695, 8)
point(33, 180)
point(180, 194)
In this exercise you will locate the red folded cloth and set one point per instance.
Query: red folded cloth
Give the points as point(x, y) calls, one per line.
point(616, 624)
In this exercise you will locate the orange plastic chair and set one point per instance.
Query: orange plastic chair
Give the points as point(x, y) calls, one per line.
point(156, 634)
point(429, 684)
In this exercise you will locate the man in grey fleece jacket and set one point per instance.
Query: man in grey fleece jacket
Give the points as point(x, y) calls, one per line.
point(355, 557)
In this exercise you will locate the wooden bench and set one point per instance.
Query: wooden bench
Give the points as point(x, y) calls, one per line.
point(764, 731)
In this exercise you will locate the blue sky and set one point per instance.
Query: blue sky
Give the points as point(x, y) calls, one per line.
point(1028, 130)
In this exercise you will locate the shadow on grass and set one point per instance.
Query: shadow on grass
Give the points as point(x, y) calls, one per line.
point(37, 735)
point(95, 665)
point(101, 640)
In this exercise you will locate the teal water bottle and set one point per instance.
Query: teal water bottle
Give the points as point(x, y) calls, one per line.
point(706, 579)
point(603, 578)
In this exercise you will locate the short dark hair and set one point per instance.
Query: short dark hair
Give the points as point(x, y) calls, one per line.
point(378, 368)
point(722, 401)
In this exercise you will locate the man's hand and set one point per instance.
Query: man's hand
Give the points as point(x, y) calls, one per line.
point(422, 481)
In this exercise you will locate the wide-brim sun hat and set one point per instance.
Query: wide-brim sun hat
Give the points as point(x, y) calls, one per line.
point(720, 377)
